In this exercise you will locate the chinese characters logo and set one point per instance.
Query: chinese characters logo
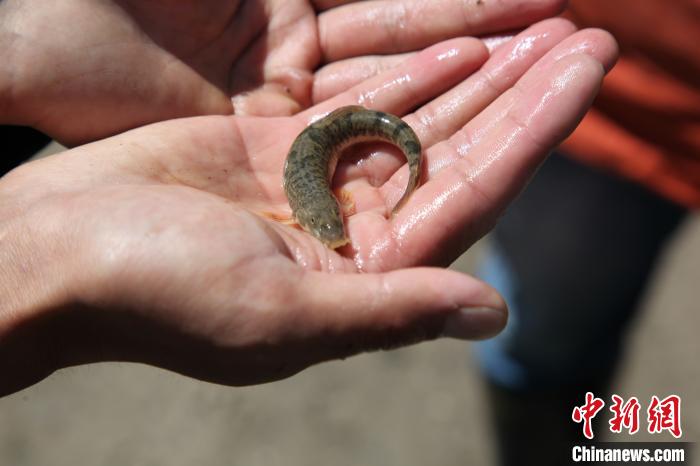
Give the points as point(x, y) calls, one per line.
point(662, 415)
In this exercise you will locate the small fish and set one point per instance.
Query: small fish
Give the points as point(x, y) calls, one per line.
point(314, 155)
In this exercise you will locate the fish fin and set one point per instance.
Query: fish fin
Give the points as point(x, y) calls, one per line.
point(279, 218)
point(346, 201)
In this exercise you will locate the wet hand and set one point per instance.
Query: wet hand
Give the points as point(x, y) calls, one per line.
point(157, 245)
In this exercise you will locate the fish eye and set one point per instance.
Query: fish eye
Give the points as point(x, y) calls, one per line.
point(313, 221)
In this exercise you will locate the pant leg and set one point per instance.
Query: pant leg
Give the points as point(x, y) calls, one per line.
point(572, 257)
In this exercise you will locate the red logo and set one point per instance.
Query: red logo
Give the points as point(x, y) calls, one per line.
point(665, 415)
point(624, 415)
point(662, 415)
point(587, 412)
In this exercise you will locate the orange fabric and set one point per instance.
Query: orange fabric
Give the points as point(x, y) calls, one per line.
point(645, 123)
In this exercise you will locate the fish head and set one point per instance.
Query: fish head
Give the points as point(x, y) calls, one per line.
point(325, 224)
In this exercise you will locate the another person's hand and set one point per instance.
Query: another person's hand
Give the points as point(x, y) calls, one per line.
point(84, 70)
point(155, 246)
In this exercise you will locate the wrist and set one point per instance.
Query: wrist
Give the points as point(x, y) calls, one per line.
point(34, 298)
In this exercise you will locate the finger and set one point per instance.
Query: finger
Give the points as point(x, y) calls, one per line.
point(338, 77)
point(346, 314)
point(413, 82)
point(341, 75)
point(494, 79)
point(443, 116)
point(383, 26)
point(271, 99)
point(321, 5)
point(282, 63)
point(494, 42)
point(474, 190)
point(437, 120)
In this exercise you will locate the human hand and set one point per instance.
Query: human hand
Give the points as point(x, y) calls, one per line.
point(80, 71)
point(149, 246)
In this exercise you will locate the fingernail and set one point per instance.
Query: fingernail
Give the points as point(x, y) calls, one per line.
point(475, 323)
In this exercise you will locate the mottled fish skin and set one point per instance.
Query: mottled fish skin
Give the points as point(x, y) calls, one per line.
point(313, 157)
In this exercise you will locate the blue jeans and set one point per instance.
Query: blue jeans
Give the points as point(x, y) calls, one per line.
point(572, 257)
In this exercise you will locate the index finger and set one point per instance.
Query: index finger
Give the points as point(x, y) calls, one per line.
point(384, 26)
point(413, 82)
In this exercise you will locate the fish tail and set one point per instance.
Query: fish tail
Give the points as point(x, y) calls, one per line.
point(413, 182)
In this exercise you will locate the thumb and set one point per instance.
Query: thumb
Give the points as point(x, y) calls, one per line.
point(351, 313)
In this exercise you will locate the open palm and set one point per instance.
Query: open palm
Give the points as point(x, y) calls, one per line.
point(172, 220)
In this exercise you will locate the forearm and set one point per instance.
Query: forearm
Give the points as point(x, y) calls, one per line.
point(9, 112)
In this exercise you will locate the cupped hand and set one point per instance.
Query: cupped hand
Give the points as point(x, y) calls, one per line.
point(160, 245)
point(83, 70)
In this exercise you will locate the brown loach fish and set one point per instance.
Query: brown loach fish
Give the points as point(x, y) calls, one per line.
point(313, 157)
